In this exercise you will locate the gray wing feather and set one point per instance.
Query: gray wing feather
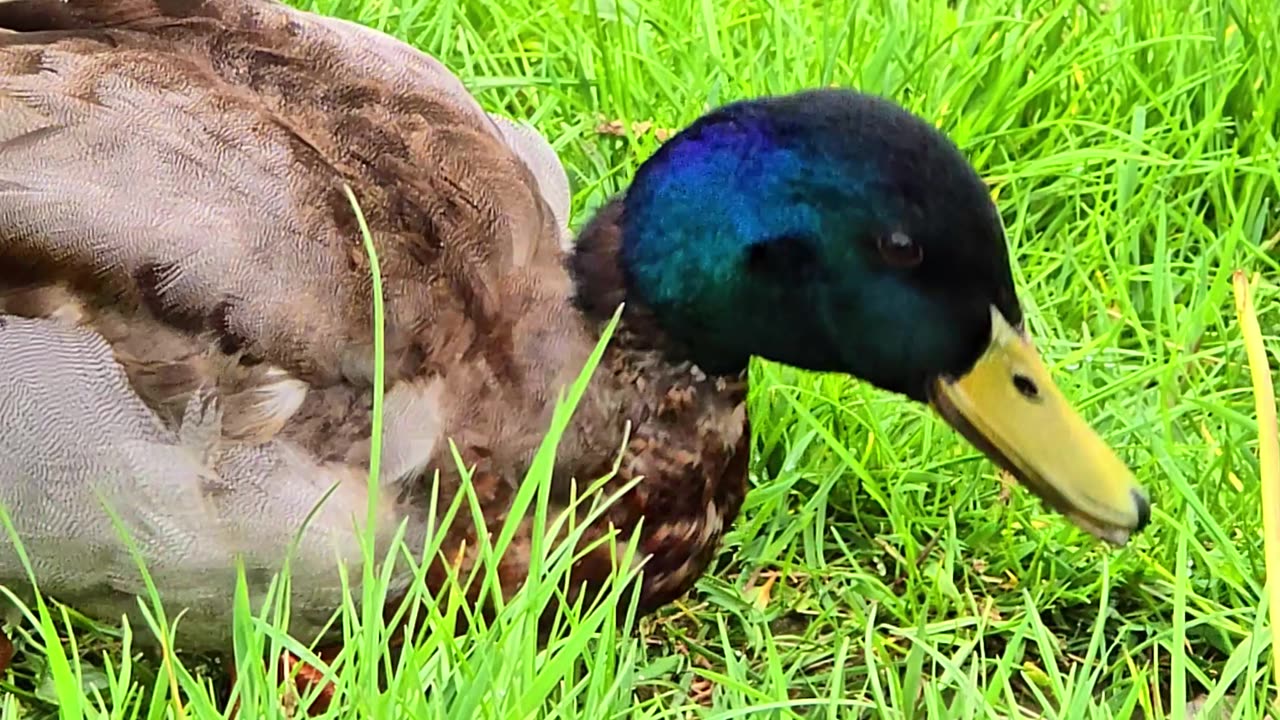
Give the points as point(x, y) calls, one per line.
point(205, 215)
point(75, 437)
point(78, 441)
point(542, 160)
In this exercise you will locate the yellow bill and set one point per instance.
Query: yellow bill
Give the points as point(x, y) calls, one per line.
point(1010, 409)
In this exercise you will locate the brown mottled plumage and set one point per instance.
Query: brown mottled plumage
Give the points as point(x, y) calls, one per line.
point(172, 178)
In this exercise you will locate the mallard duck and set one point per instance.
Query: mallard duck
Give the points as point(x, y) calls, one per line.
point(187, 334)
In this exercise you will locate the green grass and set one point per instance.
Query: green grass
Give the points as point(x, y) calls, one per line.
point(880, 568)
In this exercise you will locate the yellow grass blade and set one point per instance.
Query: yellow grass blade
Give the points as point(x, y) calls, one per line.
point(1264, 399)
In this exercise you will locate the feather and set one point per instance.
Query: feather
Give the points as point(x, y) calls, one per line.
point(176, 236)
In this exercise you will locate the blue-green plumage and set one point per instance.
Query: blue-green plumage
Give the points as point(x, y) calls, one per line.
point(762, 230)
point(832, 231)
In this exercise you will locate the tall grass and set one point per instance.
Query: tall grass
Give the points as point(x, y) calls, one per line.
point(881, 568)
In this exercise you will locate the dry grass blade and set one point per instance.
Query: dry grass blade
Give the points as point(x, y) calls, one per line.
point(1268, 450)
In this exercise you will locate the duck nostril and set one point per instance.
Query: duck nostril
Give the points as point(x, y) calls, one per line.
point(1026, 386)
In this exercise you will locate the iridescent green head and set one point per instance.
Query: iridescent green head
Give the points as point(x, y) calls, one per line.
point(834, 231)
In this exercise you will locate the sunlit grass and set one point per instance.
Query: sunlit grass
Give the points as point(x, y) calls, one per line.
point(880, 567)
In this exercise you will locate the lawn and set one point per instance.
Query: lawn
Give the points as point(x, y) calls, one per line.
point(881, 567)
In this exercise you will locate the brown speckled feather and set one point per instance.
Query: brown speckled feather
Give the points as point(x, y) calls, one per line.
point(172, 178)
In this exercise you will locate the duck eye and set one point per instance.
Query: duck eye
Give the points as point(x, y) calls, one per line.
point(899, 250)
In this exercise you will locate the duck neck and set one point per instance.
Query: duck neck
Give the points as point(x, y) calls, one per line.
point(602, 284)
point(687, 432)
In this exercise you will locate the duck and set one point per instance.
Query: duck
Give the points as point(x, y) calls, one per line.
point(188, 349)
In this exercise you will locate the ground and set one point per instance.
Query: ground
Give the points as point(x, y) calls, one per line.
point(882, 568)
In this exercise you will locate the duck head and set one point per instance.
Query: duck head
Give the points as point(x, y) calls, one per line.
point(836, 232)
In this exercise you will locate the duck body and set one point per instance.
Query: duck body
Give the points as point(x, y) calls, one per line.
point(174, 218)
point(188, 328)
